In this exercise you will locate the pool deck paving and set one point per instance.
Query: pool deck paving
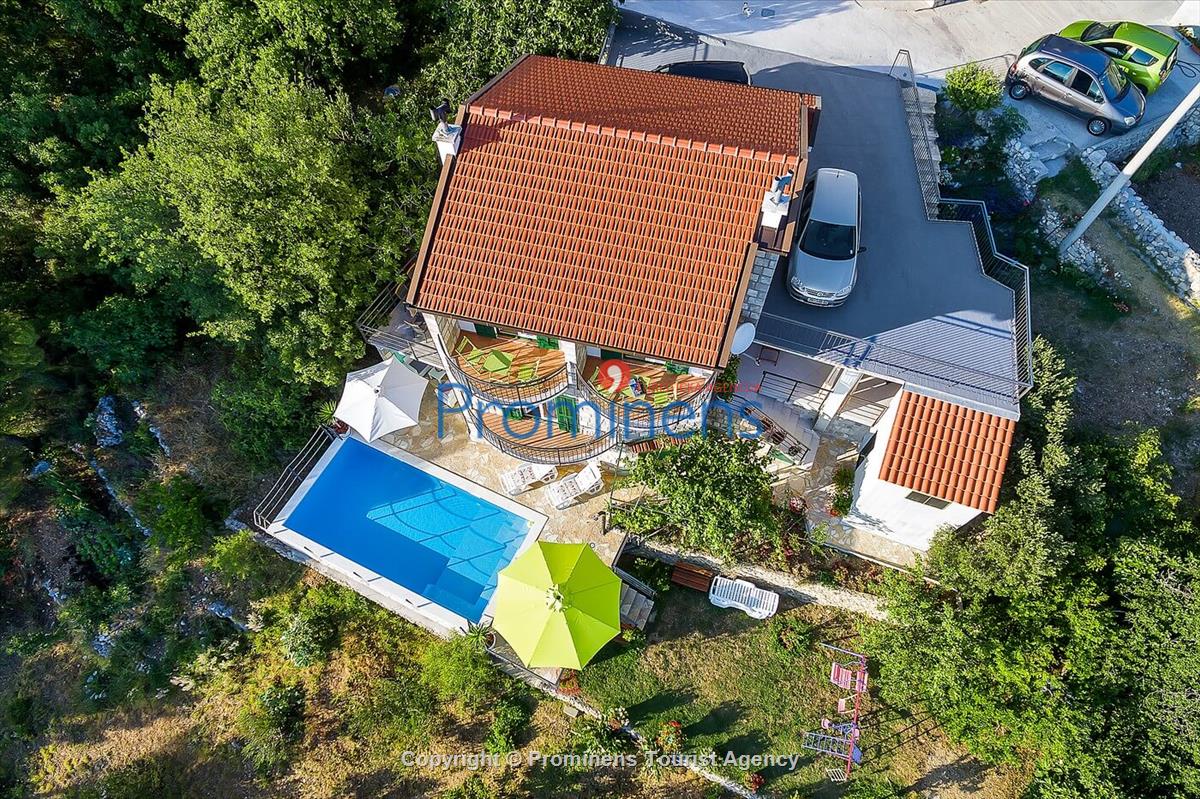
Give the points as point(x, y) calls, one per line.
point(483, 464)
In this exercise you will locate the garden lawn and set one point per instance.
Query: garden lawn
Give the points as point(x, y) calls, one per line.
point(723, 677)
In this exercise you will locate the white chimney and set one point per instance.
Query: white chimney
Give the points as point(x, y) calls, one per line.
point(448, 138)
point(775, 203)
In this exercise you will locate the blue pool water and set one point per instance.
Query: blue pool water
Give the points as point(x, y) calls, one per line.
point(415, 529)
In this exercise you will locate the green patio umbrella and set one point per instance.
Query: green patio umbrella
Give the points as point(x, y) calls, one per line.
point(557, 604)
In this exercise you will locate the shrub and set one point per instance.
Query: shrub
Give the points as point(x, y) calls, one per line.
point(308, 638)
point(241, 561)
point(790, 635)
point(124, 336)
point(458, 670)
point(971, 88)
point(596, 737)
point(508, 719)
point(179, 514)
point(654, 573)
point(716, 491)
point(146, 777)
point(843, 491)
point(633, 637)
point(396, 710)
point(265, 411)
point(271, 724)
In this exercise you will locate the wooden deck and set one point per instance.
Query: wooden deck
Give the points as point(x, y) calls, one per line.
point(529, 362)
point(658, 379)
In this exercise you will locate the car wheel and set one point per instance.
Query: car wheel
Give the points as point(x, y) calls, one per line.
point(1097, 126)
point(1018, 90)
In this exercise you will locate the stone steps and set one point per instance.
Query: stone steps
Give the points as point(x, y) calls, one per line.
point(636, 607)
point(790, 420)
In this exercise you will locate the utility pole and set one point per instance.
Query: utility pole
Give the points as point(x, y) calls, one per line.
point(1120, 181)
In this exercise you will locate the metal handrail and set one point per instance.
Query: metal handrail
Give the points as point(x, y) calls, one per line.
point(525, 392)
point(292, 476)
point(902, 365)
point(928, 166)
point(1004, 270)
point(774, 433)
point(581, 449)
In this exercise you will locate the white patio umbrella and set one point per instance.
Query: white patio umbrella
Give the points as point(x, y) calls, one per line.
point(381, 399)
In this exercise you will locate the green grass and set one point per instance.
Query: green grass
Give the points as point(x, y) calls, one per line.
point(721, 676)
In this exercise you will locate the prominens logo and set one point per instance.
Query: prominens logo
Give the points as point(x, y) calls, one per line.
point(614, 376)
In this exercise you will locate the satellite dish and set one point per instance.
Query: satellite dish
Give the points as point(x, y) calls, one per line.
point(743, 337)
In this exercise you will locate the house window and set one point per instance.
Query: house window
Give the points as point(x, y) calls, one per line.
point(925, 499)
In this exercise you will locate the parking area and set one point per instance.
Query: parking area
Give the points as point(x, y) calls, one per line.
point(921, 294)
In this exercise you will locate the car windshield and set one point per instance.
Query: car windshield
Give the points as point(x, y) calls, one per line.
point(1097, 31)
point(829, 242)
point(1115, 82)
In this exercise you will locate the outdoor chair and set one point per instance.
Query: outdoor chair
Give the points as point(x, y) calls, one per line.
point(474, 353)
point(525, 477)
point(573, 488)
point(529, 371)
point(755, 602)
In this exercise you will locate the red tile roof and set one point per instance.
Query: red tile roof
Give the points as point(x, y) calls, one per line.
point(607, 206)
point(948, 451)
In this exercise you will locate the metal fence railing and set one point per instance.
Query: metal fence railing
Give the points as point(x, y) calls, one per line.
point(1003, 270)
point(1000, 268)
point(517, 392)
point(928, 164)
point(292, 476)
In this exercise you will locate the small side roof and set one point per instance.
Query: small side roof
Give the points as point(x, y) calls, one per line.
point(948, 451)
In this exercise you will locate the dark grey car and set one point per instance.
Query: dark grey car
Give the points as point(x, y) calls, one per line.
point(1078, 79)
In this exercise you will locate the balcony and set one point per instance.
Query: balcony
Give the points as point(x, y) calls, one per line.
point(539, 440)
point(665, 387)
point(508, 369)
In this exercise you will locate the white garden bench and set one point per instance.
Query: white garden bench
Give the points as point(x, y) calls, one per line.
point(757, 603)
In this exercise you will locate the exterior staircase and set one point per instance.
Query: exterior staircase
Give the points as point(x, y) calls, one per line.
point(636, 608)
point(790, 419)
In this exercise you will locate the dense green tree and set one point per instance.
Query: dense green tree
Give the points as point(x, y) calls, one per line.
point(75, 75)
point(715, 491)
point(1065, 625)
point(482, 37)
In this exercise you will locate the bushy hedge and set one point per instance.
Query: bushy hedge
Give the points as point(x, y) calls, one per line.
point(971, 88)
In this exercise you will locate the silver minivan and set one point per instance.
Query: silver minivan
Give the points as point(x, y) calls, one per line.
point(824, 263)
point(1078, 79)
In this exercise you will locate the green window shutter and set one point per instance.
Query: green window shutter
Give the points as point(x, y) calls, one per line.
point(676, 369)
point(547, 343)
point(610, 355)
point(486, 330)
point(565, 415)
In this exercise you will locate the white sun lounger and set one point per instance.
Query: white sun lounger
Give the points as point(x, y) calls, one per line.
point(573, 487)
point(757, 603)
point(526, 477)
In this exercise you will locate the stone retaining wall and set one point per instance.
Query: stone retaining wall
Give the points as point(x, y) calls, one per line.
point(1186, 133)
point(1175, 259)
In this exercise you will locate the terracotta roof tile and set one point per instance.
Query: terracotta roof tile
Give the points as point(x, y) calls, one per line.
point(689, 112)
point(607, 205)
point(948, 451)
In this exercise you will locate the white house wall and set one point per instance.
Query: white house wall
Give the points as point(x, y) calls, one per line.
point(881, 507)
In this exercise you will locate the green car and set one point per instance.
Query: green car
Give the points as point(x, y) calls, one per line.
point(1144, 54)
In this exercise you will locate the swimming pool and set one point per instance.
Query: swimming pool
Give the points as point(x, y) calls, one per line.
point(409, 524)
